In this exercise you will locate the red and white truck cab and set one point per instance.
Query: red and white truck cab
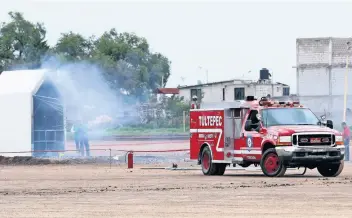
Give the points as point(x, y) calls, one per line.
point(274, 135)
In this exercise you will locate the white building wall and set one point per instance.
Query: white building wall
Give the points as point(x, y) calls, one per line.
point(321, 65)
point(339, 51)
point(278, 90)
point(338, 81)
point(321, 69)
point(214, 93)
point(263, 90)
point(186, 94)
point(250, 90)
point(313, 82)
point(313, 51)
point(230, 91)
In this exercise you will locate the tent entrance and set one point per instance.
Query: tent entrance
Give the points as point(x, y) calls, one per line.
point(48, 134)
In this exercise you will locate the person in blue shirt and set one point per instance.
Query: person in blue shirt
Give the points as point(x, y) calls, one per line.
point(75, 129)
point(80, 131)
point(84, 143)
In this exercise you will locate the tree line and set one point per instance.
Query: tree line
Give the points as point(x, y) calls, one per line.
point(125, 58)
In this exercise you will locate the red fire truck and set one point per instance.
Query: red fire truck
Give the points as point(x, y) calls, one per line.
point(274, 135)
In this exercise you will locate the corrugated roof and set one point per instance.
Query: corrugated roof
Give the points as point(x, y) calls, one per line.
point(167, 91)
point(21, 81)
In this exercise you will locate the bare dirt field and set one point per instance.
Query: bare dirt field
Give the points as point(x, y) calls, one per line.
point(98, 191)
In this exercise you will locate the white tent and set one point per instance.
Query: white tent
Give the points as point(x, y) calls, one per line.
point(31, 114)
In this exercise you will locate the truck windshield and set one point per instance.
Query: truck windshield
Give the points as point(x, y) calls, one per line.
point(288, 116)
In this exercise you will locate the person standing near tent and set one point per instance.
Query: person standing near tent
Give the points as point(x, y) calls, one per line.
point(83, 138)
point(75, 129)
point(346, 139)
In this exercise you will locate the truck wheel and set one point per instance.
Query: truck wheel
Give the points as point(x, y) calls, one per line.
point(208, 167)
point(271, 164)
point(330, 170)
point(220, 169)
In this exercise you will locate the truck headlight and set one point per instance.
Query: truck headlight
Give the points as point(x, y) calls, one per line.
point(339, 138)
point(285, 139)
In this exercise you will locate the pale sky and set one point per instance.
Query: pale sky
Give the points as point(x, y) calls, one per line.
point(226, 38)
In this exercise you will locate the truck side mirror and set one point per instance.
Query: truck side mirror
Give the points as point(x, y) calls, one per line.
point(329, 124)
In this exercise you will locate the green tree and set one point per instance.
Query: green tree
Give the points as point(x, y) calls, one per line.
point(73, 46)
point(22, 42)
point(129, 64)
point(175, 109)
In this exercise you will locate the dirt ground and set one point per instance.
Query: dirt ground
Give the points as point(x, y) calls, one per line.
point(98, 191)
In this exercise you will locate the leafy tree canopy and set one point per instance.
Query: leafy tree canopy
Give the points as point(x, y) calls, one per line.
point(128, 64)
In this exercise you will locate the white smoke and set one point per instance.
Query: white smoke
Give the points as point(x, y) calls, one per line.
point(86, 93)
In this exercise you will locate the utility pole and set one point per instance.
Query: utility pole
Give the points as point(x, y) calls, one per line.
point(346, 81)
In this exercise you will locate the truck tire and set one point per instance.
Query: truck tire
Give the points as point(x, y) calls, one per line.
point(220, 169)
point(271, 164)
point(208, 167)
point(331, 170)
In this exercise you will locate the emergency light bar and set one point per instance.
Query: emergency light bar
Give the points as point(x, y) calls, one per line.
point(265, 102)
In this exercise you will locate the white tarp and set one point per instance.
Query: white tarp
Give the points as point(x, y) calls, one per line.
point(16, 110)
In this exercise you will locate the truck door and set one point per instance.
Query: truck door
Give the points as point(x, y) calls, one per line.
point(252, 137)
point(232, 131)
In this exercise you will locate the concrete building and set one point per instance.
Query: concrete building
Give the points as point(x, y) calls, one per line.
point(235, 89)
point(320, 71)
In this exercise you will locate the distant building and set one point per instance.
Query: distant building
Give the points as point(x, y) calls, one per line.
point(235, 89)
point(320, 71)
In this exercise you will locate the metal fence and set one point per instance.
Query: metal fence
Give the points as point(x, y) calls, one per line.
point(97, 156)
point(48, 140)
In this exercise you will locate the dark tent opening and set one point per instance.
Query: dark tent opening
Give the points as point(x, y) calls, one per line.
point(48, 121)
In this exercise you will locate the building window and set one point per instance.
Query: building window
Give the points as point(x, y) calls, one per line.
point(286, 91)
point(239, 93)
point(223, 94)
point(196, 92)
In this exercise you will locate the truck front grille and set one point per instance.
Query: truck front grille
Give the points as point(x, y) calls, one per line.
point(313, 139)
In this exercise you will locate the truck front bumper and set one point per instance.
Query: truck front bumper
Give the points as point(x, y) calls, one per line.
point(310, 155)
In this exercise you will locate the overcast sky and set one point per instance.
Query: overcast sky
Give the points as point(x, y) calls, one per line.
point(227, 39)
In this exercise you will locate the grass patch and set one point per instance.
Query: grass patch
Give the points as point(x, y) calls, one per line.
point(130, 131)
point(144, 131)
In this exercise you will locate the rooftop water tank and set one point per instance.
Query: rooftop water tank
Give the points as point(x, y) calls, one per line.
point(264, 74)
